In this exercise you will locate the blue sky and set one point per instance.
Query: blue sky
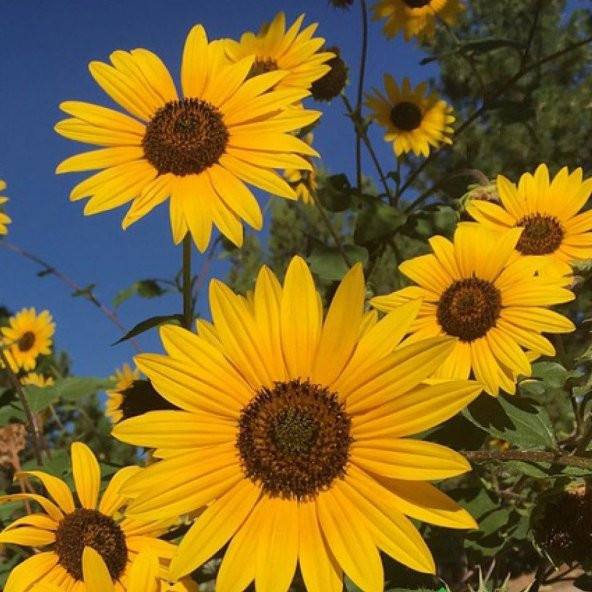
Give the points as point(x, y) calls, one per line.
point(44, 54)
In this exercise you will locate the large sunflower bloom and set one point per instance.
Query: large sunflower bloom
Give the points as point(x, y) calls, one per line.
point(556, 232)
point(4, 219)
point(413, 122)
point(416, 18)
point(68, 528)
point(292, 437)
point(28, 336)
point(199, 150)
point(476, 290)
point(294, 51)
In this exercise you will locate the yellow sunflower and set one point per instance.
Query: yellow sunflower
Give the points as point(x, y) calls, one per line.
point(4, 219)
point(68, 528)
point(293, 51)
point(476, 290)
point(199, 151)
point(28, 336)
point(304, 182)
point(291, 436)
point(416, 18)
point(413, 122)
point(37, 379)
point(124, 379)
point(556, 232)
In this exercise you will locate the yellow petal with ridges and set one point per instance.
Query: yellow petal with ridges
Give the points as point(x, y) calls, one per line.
point(29, 571)
point(87, 475)
point(56, 488)
point(95, 572)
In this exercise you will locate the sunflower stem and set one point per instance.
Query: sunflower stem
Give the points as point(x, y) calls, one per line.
point(332, 231)
point(187, 287)
point(32, 423)
point(361, 75)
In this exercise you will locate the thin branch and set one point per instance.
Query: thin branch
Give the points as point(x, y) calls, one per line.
point(488, 101)
point(332, 231)
point(554, 458)
point(187, 290)
point(361, 76)
point(203, 274)
point(50, 269)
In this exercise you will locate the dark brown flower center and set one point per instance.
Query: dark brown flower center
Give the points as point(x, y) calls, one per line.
point(542, 235)
point(185, 137)
point(417, 3)
point(89, 528)
point(294, 439)
point(141, 397)
point(332, 83)
point(262, 66)
point(406, 116)
point(469, 308)
point(26, 342)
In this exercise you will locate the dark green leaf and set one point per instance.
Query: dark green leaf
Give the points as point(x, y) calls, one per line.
point(336, 193)
point(377, 223)
point(513, 111)
point(329, 264)
point(553, 374)
point(148, 288)
point(73, 388)
point(518, 420)
point(488, 44)
point(143, 326)
point(85, 292)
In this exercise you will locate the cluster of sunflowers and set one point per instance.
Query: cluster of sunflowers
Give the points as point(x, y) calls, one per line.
point(278, 431)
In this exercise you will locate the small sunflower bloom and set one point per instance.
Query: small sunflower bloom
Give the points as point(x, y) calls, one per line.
point(28, 336)
point(415, 18)
point(413, 121)
point(304, 182)
point(292, 437)
point(132, 396)
point(556, 231)
point(199, 151)
point(36, 379)
point(474, 289)
point(4, 219)
point(67, 528)
point(274, 48)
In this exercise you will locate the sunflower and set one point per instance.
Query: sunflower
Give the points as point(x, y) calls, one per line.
point(556, 232)
point(199, 151)
point(123, 379)
point(4, 219)
point(68, 528)
point(37, 379)
point(304, 182)
point(416, 18)
point(413, 122)
point(293, 51)
point(291, 436)
point(476, 290)
point(28, 336)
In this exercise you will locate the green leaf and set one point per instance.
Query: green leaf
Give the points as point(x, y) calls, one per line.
point(553, 374)
point(488, 44)
point(73, 388)
point(336, 193)
point(328, 262)
point(58, 465)
point(85, 292)
point(148, 288)
point(377, 222)
point(513, 111)
point(518, 420)
point(143, 326)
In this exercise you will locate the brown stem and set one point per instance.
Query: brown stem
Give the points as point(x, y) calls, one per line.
point(32, 423)
point(203, 274)
point(554, 458)
point(332, 231)
point(361, 75)
point(50, 269)
point(488, 101)
point(187, 291)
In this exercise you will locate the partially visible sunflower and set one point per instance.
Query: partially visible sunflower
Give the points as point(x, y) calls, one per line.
point(413, 120)
point(4, 219)
point(416, 18)
point(556, 231)
point(37, 379)
point(123, 379)
point(28, 336)
point(293, 51)
point(304, 182)
point(200, 151)
point(68, 529)
point(476, 290)
point(292, 437)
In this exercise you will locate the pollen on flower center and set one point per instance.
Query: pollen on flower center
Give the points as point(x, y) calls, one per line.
point(406, 116)
point(469, 308)
point(26, 342)
point(185, 137)
point(417, 3)
point(294, 439)
point(542, 235)
point(89, 528)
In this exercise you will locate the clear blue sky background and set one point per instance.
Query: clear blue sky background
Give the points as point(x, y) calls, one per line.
point(45, 48)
